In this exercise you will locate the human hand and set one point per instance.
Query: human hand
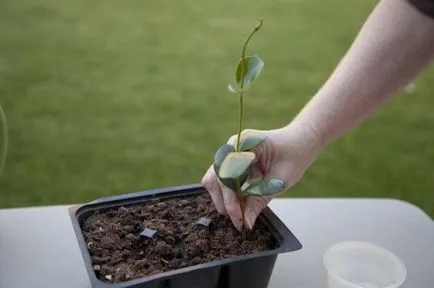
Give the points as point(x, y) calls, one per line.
point(284, 155)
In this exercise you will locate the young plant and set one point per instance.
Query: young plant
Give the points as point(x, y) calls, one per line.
point(233, 164)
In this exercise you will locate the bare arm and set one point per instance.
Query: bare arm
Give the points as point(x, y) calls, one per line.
point(395, 44)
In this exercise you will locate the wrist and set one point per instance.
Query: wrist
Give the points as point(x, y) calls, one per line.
point(303, 136)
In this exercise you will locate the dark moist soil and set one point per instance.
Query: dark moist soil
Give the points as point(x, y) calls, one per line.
point(119, 253)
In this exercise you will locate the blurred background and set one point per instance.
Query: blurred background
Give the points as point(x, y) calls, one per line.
point(110, 97)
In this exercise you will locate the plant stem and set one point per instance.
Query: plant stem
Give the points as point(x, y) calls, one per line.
point(240, 198)
point(241, 201)
point(243, 228)
point(243, 57)
point(5, 140)
point(243, 54)
point(240, 119)
point(240, 125)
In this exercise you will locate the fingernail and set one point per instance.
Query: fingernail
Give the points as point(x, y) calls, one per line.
point(222, 212)
point(250, 219)
point(238, 223)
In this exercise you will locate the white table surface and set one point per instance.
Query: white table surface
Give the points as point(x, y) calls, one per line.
point(38, 248)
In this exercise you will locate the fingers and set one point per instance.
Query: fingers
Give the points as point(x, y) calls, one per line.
point(253, 207)
point(224, 198)
point(232, 205)
point(212, 185)
point(256, 172)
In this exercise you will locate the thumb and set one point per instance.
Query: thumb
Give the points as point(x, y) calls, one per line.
point(264, 169)
point(270, 166)
point(261, 166)
point(254, 206)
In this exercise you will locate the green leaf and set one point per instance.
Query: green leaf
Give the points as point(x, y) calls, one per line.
point(233, 89)
point(221, 154)
point(251, 67)
point(236, 164)
point(263, 187)
point(251, 142)
point(232, 183)
point(219, 157)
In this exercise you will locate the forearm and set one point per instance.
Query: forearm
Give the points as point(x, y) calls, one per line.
point(395, 44)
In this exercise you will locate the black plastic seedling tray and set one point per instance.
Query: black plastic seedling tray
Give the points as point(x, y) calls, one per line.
point(252, 270)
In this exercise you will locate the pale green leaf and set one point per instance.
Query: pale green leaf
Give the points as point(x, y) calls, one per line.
point(250, 142)
point(221, 154)
point(251, 67)
point(219, 157)
point(232, 183)
point(263, 187)
point(236, 164)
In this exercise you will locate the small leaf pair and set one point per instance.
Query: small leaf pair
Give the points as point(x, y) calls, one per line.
point(248, 70)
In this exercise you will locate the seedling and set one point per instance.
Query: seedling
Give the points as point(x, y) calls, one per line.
point(233, 163)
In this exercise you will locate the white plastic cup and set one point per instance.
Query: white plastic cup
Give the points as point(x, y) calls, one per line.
point(353, 264)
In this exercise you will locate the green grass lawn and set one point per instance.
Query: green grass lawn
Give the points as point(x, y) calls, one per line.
point(108, 97)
